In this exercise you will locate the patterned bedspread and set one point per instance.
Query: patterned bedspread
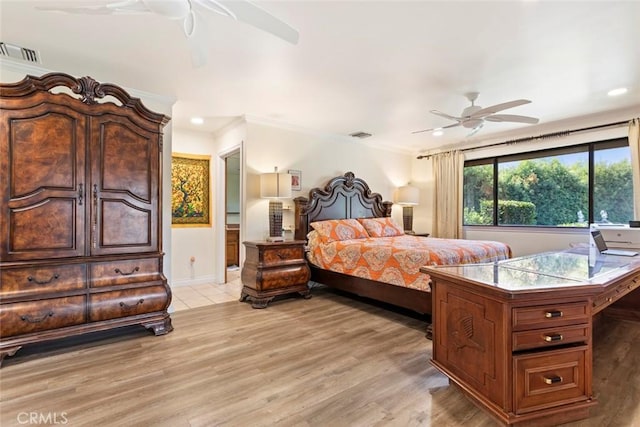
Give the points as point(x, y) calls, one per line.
point(396, 260)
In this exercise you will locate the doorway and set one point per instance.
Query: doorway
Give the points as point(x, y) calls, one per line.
point(232, 216)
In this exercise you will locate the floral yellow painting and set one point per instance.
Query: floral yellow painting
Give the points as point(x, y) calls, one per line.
point(190, 195)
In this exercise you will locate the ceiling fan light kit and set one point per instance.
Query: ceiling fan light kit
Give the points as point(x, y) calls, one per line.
point(474, 116)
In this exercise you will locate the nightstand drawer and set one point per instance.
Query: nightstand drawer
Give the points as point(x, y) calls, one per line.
point(280, 255)
point(551, 337)
point(276, 278)
point(546, 316)
point(551, 378)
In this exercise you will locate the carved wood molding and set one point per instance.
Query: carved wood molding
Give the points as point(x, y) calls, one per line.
point(89, 89)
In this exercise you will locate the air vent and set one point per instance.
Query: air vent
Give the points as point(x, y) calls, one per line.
point(16, 52)
point(360, 135)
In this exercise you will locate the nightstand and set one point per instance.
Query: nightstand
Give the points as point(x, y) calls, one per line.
point(274, 268)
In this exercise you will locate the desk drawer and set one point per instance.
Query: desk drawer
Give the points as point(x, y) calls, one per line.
point(553, 315)
point(551, 378)
point(541, 338)
point(609, 296)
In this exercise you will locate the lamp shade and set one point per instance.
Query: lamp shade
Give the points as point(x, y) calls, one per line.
point(275, 185)
point(408, 195)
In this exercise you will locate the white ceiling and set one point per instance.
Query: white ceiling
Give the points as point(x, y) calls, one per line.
point(373, 66)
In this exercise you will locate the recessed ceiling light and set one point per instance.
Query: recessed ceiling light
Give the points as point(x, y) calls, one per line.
point(197, 120)
point(618, 91)
point(437, 132)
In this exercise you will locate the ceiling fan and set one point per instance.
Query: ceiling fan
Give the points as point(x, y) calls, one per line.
point(473, 117)
point(190, 13)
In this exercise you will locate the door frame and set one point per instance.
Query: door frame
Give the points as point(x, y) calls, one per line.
point(221, 203)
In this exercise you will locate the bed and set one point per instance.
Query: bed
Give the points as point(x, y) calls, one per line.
point(348, 197)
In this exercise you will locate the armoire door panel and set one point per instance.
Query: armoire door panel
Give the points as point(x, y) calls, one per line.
point(45, 230)
point(126, 155)
point(36, 143)
point(125, 225)
point(43, 178)
point(125, 186)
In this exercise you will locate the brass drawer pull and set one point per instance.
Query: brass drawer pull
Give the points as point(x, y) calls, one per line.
point(43, 282)
point(552, 338)
point(281, 255)
point(117, 270)
point(126, 306)
point(553, 314)
point(32, 319)
point(553, 380)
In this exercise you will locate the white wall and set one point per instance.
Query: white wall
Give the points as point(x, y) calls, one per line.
point(320, 158)
point(196, 242)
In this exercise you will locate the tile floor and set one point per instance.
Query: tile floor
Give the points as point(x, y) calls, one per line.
point(192, 296)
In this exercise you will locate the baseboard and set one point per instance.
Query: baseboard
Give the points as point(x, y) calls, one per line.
point(197, 281)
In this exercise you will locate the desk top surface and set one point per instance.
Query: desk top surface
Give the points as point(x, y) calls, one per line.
point(545, 270)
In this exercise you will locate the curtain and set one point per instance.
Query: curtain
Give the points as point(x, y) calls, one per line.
point(448, 180)
point(634, 145)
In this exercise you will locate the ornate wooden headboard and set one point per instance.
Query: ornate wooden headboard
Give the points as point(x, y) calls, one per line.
point(343, 197)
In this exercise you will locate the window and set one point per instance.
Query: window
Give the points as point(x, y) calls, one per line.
point(565, 187)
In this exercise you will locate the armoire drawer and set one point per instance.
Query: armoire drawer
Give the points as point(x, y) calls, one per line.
point(33, 316)
point(18, 282)
point(128, 302)
point(114, 273)
point(550, 378)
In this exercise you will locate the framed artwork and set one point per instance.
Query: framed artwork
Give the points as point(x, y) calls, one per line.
point(190, 191)
point(296, 179)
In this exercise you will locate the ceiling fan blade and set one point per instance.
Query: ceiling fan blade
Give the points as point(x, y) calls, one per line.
point(445, 115)
point(251, 14)
point(433, 129)
point(172, 9)
point(483, 112)
point(512, 118)
point(126, 7)
point(197, 47)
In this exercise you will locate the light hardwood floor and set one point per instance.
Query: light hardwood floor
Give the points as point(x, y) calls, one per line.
point(327, 361)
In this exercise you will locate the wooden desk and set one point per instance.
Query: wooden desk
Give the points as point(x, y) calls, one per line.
point(516, 336)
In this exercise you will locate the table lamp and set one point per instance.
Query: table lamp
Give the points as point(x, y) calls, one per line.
point(408, 197)
point(275, 186)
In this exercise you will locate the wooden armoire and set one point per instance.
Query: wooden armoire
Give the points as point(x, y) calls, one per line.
point(80, 211)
